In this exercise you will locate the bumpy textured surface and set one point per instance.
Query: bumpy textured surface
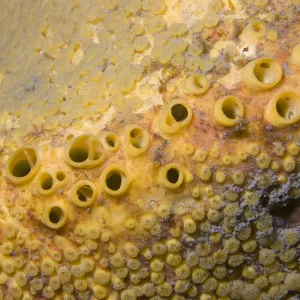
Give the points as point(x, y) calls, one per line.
point(149, 149)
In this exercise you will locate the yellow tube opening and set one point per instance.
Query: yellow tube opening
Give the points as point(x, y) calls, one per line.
point(197, 84)
point(283, 109)
point(83, 193)
point(115, 180)
point(176, 116)
point(109, 140)
point(228, 110)
point(136, 140)
point(262, 73)
point(55, 215)
point(22, 165)
point(60, 176)
point(171, 176)
point(85, 151)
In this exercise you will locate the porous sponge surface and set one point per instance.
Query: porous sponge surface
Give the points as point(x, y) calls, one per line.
point(149, 149)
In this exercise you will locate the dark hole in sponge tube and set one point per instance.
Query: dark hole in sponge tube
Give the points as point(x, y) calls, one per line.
point(264, 65)
point(55, 214)
point(47, 183)
point(60, 176)
point(173, 175)
point(110, 141)
point(137, 138)
point(78, 154)
point(229, 111)
point(136, 133)
point(114, 181)
point(179, 112)
point(285, 108)
point(21, 169)
point(84, 193)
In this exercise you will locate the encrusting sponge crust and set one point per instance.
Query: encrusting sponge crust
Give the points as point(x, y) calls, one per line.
point(149, 149)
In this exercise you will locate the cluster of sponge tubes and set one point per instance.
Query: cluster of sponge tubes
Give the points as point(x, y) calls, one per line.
point(88, 151)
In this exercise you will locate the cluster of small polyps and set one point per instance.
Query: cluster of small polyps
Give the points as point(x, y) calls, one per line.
point(149, 150)
point(210, 236)
point(185, 252)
